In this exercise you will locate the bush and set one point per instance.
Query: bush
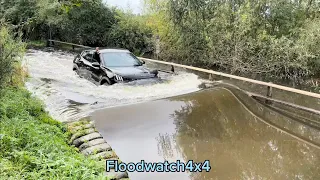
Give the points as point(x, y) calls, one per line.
point(11, 50)
point(309, 44)
point(251, 38)
point(131, 33)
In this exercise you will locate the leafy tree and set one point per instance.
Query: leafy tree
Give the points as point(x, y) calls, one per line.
point(242, 37)
point(20, 13)
point(89, 23)
point(131, 33)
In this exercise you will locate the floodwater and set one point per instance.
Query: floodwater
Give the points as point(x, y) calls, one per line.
point(177, 119)
point(68, 97)
point(213, 125)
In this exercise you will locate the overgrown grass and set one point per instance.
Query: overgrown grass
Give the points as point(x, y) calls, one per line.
point(34, 146)
point(36, 44)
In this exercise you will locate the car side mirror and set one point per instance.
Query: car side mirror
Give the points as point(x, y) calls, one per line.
point(96, 65)
point(143, 62)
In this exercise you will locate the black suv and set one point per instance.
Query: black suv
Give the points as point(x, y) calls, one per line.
point(114, 66)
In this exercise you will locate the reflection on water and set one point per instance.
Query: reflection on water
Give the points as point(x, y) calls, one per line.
point(166, 146)
point(213, 125)
point(238, 144)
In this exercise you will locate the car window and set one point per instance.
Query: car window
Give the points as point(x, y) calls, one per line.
point(83, 54)
point(120, 59)
point(88, 56)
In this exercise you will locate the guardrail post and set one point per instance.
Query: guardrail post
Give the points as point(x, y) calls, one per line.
point(269, 95)
point(210, 77)
point(172, 68)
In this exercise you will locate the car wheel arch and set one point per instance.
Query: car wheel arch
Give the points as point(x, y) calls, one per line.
point(105, 80)
point(75, 67)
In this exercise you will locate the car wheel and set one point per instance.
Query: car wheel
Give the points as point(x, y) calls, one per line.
point(78, 73)
point(76, 70)
point(106, 82)
point(155, 72)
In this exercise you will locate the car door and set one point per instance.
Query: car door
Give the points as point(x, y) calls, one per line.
point(96, 72)
point(86, 64)
point(79, 61)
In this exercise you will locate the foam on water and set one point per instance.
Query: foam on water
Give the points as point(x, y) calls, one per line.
point(68, 97)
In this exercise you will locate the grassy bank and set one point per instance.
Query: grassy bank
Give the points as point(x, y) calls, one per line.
point(36, 44)
point(34, 146)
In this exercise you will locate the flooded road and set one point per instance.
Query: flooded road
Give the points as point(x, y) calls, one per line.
point(177, 120)
point(212, 125)
point(68, 97)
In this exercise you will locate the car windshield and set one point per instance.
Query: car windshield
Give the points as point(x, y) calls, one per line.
point(120, 59)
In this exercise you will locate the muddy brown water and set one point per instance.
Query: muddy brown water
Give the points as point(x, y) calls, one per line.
point(211, 125)
point(243, 139)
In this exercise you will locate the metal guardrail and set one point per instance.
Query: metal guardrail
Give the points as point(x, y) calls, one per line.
point(71, 44)
point(210, 72)
point(270, 85)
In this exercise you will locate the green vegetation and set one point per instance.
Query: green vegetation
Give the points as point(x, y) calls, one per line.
point(274, 38)
point(33, 145)
point(131, 33)
point(277, 39)
point(36, 44)
point(88, 22)
point(11, 50)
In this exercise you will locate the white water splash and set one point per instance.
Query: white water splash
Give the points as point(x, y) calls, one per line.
point(68, 97)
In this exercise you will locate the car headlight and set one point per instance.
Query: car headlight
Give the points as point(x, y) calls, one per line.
point(118, 77)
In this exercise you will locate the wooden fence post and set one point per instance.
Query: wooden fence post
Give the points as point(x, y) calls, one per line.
point(172, 68)
point(210, 77)
point(269, 95)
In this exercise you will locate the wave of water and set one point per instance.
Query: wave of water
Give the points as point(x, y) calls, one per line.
point(69, 97)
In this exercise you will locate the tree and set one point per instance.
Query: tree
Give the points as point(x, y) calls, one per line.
point(242, 37)
point(131, 33)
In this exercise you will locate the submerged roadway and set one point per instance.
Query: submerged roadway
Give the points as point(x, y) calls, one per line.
point(181, 120)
